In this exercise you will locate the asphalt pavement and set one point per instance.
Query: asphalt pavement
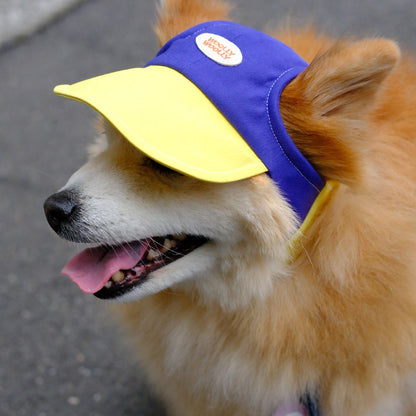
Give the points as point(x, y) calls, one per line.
point(21, 18)
point(60, 352)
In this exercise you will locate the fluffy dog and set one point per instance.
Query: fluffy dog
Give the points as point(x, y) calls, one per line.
point(231, 314)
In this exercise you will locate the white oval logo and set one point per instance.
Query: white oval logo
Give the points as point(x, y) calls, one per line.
point(219, 49)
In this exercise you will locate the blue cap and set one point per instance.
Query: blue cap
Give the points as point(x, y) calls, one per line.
point(243, 72)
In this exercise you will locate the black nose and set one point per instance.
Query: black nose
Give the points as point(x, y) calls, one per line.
point(60, 209)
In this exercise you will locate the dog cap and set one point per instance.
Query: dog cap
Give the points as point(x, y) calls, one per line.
point(208, 106)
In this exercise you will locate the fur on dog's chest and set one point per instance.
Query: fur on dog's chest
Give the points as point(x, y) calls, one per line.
point(205, 353)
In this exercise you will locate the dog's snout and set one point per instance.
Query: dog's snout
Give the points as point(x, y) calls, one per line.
point(60, 209)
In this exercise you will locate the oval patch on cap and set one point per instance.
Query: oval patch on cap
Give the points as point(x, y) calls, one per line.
point(219, 49)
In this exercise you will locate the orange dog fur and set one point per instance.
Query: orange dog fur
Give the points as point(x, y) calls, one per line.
point(347, 318)
point(340, 319)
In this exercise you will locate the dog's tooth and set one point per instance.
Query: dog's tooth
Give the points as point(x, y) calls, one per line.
point(179, 237)
point(152, 254)
point(167, 245)
point(108, 284)
point(117, 276)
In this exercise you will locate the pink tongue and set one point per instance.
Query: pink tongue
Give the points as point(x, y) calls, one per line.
point(92, 268)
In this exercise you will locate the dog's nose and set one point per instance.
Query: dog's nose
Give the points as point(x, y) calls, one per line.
point(60, 208)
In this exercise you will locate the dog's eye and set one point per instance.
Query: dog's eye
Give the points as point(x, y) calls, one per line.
point(161, 168)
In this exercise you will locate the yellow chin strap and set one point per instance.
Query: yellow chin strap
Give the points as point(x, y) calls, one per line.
point(294, 244)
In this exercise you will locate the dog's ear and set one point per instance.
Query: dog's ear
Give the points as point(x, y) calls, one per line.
point(326, 107)
point(175, 16)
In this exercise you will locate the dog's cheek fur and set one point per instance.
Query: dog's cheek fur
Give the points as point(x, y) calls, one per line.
point(248, 268)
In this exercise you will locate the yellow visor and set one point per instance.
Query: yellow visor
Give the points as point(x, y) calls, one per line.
point(169, 119)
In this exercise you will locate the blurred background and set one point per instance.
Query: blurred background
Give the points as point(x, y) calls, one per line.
point(60, 352)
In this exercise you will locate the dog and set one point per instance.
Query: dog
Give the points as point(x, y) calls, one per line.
point(237, 301)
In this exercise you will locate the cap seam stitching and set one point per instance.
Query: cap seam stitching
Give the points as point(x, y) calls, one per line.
point(274, 134)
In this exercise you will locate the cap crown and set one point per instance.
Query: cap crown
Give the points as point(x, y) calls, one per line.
point(243, 72)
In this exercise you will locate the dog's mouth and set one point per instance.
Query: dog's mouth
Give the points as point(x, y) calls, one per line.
point(111, 271)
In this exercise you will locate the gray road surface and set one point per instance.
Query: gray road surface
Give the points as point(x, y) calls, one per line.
point(20, 18)
point(60, 353)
